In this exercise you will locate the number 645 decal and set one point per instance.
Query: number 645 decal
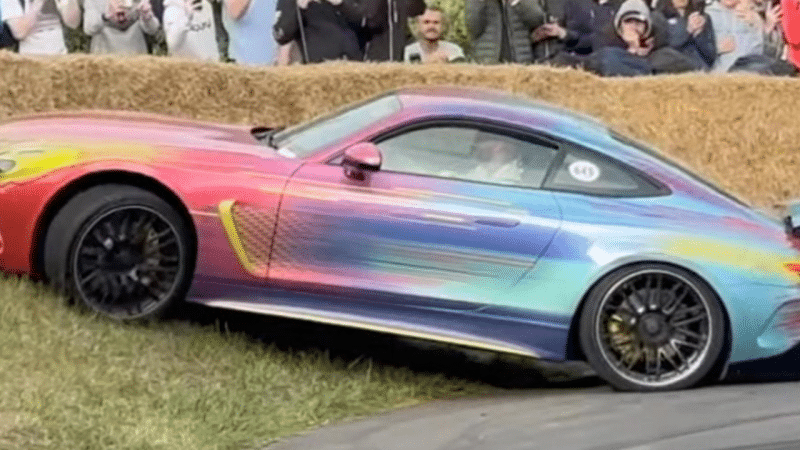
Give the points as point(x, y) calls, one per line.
point(584, 171)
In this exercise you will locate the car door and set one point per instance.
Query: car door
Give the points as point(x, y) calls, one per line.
point(431, 223)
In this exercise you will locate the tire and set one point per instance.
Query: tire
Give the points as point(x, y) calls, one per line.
point(121, 251)
point(652, 327)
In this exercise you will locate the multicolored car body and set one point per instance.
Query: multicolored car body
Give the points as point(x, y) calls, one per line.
point(456, 215)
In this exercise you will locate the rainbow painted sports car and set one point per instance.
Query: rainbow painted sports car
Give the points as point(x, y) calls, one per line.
point(464, 216)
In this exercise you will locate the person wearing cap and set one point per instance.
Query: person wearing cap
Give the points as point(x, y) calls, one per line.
point(633, 45)
point(626, 43)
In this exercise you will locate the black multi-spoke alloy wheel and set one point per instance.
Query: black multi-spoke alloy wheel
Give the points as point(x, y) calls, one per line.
point(652, 327)
point(121, 251)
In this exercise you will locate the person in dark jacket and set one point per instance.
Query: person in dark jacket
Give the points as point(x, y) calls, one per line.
point(327, 31)
point(624, 47)
point(7, 37)
point(584, 22)
point(633, 45)
point(385, 27)
point(691, 32)
point(500, 30)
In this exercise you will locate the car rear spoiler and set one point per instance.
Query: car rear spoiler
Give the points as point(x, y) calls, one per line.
point(792, 219)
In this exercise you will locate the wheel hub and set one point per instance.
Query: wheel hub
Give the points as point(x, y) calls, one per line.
point(127, 262)
point(123, 258)
point(654, 329)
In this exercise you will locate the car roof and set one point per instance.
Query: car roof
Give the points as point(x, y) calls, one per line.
point(474, 100)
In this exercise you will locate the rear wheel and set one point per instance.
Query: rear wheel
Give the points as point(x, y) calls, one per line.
point(652, 327)
point(121, 251)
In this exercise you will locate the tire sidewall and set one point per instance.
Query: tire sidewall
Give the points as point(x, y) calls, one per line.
point(591, 347)
point(83, 211)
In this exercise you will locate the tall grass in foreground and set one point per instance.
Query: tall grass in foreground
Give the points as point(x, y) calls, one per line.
point(69, 380)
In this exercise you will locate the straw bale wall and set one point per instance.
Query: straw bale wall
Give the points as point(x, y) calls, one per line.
point(742, 132)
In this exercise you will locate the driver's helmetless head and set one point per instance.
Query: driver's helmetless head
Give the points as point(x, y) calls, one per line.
point(497, 151)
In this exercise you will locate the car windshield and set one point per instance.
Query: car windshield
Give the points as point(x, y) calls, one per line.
point(310, 137)
point(656, 154)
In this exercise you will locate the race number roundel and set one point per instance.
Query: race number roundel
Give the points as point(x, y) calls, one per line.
point(584, 171)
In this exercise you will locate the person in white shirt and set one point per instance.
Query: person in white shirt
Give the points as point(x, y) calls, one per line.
point(190, 29)
point(119, 26)
point(37, 24)
point(429, 46)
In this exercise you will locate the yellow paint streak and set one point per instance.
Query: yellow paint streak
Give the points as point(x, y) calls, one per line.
point(739, 255)
point(226, 216)
point(34, 161)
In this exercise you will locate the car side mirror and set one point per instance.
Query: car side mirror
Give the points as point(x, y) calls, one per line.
point(360, 159)
point(792, 219)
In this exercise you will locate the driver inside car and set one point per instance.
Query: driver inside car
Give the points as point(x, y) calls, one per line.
point(498, 161)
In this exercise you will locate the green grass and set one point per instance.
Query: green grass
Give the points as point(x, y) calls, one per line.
point(70, 380)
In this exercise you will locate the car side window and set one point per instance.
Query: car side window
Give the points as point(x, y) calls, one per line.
point(592, 174)
point(468, 153)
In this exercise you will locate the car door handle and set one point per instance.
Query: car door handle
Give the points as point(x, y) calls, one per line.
point(445, 218)
point(505, 222)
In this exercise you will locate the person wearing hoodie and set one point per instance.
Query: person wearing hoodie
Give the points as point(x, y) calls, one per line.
point(631, 45)
point(500, 30)
point(692, 33)
point(626, 43)
point(791, 30)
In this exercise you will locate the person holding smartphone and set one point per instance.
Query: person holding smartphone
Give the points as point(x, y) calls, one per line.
point(190, 29)
point(37, 24)
point(324, 30)
point(119, 26)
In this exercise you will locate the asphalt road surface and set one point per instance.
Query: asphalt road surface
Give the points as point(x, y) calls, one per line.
point(730, 416)
point(757, 407)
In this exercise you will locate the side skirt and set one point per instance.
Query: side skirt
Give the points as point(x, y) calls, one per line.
point(493, 329)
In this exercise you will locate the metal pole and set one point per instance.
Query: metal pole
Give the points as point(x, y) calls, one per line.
point(302, 33)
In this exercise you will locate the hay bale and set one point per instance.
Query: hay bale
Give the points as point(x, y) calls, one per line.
point(740, 131)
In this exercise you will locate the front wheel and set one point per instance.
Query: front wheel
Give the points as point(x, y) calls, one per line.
point(652, 327)
point(121, 251)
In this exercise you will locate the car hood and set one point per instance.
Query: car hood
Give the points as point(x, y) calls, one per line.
point(129, 134)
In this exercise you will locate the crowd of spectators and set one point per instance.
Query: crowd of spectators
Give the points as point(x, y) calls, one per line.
point(609, 37)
